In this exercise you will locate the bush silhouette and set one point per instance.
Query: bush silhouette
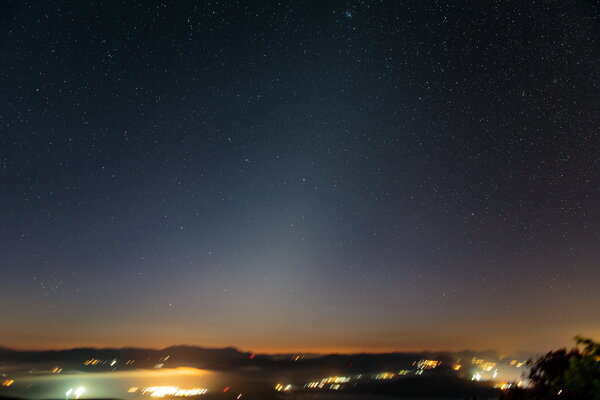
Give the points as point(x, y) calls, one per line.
point(564, 374)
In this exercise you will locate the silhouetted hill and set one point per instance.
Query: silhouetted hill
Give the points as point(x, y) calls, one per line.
point(228, 358)
point(177, 356)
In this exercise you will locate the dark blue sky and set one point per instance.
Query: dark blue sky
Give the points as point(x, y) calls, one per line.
point(340, 175)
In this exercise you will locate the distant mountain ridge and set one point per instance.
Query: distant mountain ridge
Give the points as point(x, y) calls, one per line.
point(224, 358)
point(182, 353)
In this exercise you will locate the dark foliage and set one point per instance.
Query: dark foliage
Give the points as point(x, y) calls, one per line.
point(564, 374)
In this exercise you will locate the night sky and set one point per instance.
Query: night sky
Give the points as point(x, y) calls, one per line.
point(300, 175)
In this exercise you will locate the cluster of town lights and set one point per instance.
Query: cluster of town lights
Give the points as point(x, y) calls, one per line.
point(333, 382)
point(77, 393)
point(281, 388)
point(174, 391)
point(329, 383)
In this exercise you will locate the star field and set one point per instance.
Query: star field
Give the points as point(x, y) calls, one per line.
point(320, 176)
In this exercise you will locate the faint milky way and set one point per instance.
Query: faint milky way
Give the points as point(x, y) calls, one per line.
point(340, 175)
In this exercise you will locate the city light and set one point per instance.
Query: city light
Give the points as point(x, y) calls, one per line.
point(175, 391)
point(503, 386)
point(79, 392)
point(483, 364)
point(332, 383)
point(281, 388)
point(385, 375)
point(427, 364)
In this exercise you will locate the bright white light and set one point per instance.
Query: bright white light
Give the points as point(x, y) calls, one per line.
point(476, 377)
point(69, 392)
point(162, 391)
point(79, 391)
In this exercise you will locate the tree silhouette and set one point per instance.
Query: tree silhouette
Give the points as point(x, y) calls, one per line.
point(564, 374)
